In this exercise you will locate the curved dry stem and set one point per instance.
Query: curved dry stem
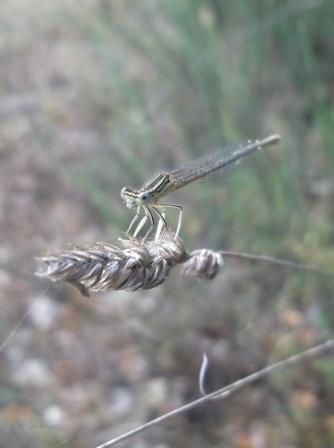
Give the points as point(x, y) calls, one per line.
point(225, 392)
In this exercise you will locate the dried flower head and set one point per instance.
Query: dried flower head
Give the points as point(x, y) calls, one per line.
point(131, 267)
point(203, 263)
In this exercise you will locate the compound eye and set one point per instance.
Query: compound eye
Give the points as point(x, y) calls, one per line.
point(144, 196)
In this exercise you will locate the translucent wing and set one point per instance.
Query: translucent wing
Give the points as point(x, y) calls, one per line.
point(216, 161)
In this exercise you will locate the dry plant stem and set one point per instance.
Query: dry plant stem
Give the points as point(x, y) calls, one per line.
point(225, 392)
point(136, 266)
point(277, 261)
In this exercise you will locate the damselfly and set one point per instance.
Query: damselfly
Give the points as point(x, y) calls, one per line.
point(147, 198)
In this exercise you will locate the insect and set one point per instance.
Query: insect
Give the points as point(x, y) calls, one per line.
point(147, 198)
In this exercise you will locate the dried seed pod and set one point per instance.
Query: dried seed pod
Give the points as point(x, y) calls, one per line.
point(104, 267)
point(203, 263)
point(136, 265)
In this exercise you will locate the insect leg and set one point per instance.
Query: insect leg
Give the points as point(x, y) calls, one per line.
point(162, 224)
point(148, 214)
point(141, 223)
point(135, 218)
point(179, 222)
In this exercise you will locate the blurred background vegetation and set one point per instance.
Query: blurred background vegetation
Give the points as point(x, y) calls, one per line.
point(100, 94)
